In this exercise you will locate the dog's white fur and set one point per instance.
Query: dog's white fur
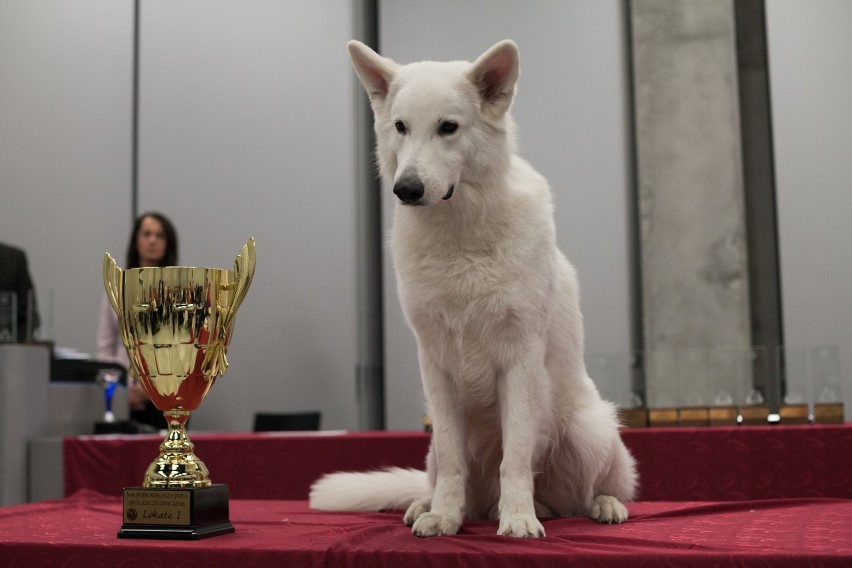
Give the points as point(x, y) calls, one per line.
point(519, 429)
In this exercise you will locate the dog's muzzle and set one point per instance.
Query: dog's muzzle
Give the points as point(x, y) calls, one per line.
point(449, 193)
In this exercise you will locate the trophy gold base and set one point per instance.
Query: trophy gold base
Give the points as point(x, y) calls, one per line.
point(192, 513)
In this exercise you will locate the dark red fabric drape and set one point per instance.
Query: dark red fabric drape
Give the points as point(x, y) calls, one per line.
point(81, 531)
point(675, 464)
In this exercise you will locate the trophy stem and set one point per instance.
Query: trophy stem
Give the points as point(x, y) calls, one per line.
point(177, 465)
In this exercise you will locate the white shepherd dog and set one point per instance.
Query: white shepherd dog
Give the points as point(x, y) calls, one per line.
point(519, 429)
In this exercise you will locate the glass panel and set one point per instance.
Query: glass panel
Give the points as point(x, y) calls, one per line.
point(661, 379)
point(693, 385)
point(728, 375)
point(43, 331)
point(794, 385)
point(827, 384)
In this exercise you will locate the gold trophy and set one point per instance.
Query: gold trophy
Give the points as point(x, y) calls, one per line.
point(176, 323)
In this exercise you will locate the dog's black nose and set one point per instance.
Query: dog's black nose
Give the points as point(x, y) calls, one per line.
point(409, 189)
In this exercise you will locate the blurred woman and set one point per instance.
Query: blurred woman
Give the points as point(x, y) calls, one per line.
point(153, 242)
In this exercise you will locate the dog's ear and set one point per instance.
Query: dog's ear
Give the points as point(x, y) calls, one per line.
point(495, 74)
point(374, 71)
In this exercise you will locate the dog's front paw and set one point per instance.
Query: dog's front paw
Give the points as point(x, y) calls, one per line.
point(608, 509)
point(433, 524)
point(520, 526)
point(415, 510)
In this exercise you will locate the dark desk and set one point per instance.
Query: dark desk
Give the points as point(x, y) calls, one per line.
point(675, 464)
point(81, 531)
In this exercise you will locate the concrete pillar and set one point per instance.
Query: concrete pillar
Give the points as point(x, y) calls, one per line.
point(695, 289)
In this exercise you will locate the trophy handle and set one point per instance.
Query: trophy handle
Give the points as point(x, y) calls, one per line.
point(112, 281)
point(215, 361)
point(244, 271)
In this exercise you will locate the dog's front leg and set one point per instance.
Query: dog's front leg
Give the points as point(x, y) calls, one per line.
point(518, 392)
point(448, 435)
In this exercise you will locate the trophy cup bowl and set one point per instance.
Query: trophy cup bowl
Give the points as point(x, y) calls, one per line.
point(176, 323)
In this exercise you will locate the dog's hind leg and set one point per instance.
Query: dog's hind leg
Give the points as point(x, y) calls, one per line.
point(618, 485)
point(608, 509)
point(542, 511)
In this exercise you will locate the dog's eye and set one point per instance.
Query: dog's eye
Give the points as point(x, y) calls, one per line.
point(400, 127)
point(448, 127)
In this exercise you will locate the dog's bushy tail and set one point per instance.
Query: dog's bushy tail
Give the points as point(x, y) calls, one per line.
point(388, 489)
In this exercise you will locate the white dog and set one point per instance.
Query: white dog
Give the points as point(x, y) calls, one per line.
point(519, 429)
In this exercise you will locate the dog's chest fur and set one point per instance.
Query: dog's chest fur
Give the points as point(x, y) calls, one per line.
point(467, 290)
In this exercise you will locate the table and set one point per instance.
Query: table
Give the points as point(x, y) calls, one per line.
point(81, 531)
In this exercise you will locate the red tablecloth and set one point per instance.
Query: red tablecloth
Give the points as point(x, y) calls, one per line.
point(255, 466)
point(675, 464)
point(743, 462)
point(81, 531)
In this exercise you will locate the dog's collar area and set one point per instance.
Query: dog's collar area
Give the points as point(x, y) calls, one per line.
point(449, 193)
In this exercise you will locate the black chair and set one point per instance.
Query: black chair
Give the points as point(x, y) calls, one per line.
point(290, 421)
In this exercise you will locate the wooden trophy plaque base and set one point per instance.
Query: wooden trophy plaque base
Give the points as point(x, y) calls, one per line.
point(175, 514)
point(755, 415)
point(723, 416)
point(828, 413)
point(633, 417)
point(793, 414)
point(694, 416)
point(662, 417)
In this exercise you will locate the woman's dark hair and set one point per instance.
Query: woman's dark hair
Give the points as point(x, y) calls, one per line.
point(170, 258)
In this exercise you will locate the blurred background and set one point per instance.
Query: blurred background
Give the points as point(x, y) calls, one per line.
point(699, 154)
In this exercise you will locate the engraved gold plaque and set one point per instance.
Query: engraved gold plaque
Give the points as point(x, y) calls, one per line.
point(157, 507)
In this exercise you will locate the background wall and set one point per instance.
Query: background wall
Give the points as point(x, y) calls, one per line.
point(811, 86)
point(571, 111)
point(246, 130)
point(65, 108)
point(246, 127)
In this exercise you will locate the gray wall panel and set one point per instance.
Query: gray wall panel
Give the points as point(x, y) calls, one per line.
point(246, 130)
point(65, 100)
point(695, 288)
point(811, 85)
